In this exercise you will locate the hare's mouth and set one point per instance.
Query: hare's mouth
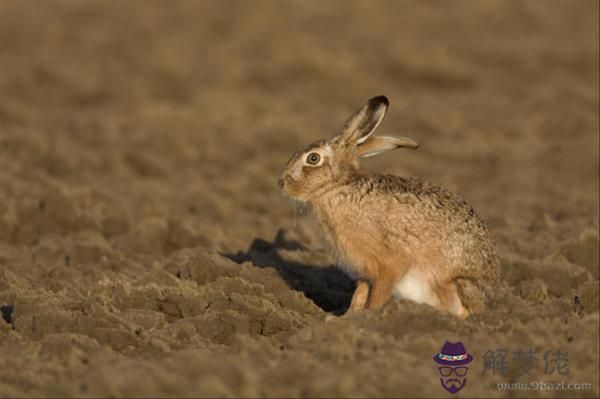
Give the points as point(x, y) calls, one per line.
point(289, 191)
point(287, 194)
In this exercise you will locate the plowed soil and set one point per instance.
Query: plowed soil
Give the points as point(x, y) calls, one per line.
point(145, 249)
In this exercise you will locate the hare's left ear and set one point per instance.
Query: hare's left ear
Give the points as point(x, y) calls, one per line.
point(379, 144)
point(361, 125)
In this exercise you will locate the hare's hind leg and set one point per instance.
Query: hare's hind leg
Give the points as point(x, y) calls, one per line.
point(361, 294)
point(449, 299)
point(473, 294)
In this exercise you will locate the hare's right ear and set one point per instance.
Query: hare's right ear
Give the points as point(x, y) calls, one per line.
point(361, 125)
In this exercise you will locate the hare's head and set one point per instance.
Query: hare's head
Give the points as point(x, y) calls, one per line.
point(323, 164)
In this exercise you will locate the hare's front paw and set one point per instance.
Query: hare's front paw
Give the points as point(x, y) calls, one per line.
point(330, 317)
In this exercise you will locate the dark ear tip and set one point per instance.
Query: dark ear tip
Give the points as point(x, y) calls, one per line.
point(380, 100)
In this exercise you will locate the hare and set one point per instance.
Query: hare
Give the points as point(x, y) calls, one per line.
point(400, 237)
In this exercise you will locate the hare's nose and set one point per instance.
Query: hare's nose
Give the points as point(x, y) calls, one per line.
point(281, 183)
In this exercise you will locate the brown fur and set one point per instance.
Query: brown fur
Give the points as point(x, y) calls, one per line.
point(381, 227)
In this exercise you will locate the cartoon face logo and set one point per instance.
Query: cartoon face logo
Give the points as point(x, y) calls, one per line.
point(453, 360)
point(453, 383)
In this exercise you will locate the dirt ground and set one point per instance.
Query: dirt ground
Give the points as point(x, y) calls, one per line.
point(145, 249)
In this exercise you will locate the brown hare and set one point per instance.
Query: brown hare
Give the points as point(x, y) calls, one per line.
point(399, 236)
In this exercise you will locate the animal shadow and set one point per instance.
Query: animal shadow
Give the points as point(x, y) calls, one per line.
point(328, 287)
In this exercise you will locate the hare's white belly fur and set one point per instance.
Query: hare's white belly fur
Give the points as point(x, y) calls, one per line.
point(415, 287)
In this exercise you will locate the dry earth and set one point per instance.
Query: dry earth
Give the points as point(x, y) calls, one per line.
point(146, 251)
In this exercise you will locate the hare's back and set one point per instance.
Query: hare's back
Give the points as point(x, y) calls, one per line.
point(422, 193)
point(421, 205)
point(435, 213)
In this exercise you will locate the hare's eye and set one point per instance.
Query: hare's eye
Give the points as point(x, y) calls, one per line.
point(313, 158)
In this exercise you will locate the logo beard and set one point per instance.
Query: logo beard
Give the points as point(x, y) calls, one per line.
point(453, 385)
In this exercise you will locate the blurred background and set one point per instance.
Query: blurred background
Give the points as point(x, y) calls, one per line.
point(134, 131)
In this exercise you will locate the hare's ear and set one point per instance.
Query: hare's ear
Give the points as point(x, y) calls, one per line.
point(363, 122)
point(379, 144)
